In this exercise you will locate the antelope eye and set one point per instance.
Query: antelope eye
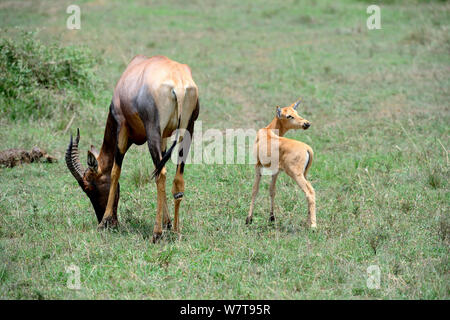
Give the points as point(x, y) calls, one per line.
point(290, 117)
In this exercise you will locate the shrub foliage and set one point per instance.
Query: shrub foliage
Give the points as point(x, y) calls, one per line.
point(40, 80)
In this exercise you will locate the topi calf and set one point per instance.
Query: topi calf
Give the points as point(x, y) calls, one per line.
point(291, 156)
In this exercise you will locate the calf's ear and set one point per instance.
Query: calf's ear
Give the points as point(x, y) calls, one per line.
point(278, 112)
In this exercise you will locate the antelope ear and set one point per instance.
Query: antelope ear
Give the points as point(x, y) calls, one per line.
point(278, 112)
point(94, 151)
point(92, 161)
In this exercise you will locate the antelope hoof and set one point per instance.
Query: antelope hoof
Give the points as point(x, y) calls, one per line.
point(249, 220)
point(107, 223)
point(168, 225)
point(156, 236)
point(271, 218)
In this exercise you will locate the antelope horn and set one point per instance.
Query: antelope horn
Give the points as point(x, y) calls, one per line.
point(297, 103)
point(73, 159)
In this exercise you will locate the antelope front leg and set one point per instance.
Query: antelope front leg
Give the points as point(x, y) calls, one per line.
point(110, 217)
point(254, 194)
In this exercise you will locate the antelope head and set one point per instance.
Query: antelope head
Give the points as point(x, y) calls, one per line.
point(93, 181)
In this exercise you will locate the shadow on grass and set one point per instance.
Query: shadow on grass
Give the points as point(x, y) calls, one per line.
point(263, 227)
point(133, 225)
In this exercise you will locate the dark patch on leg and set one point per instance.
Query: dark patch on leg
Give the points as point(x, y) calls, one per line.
point(118, 157)
point(148, 112)
point(112, 111)
point(178, 195)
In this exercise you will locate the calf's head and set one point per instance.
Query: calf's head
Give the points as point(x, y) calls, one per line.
point(94, 181)
point(290, 117)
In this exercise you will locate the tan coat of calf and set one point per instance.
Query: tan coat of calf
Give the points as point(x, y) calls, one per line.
point(277, 153)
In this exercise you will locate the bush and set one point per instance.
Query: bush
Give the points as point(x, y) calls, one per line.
point(39, 80)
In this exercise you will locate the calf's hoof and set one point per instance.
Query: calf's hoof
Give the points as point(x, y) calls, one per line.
point(249, 220)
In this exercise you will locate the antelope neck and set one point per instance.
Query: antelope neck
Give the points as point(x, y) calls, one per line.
point(276, 125)
point(106, 155)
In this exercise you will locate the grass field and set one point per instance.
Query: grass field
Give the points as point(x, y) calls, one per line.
point(379, 104)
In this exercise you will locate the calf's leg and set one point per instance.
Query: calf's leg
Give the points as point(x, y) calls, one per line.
point(272, 195)
point(307, 188)
point(254, 194)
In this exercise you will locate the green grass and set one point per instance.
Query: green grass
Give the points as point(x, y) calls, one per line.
point(379, 104)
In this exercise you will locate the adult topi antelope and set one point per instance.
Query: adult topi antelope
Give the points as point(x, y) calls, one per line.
point(274, 151)
point(153, 98)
